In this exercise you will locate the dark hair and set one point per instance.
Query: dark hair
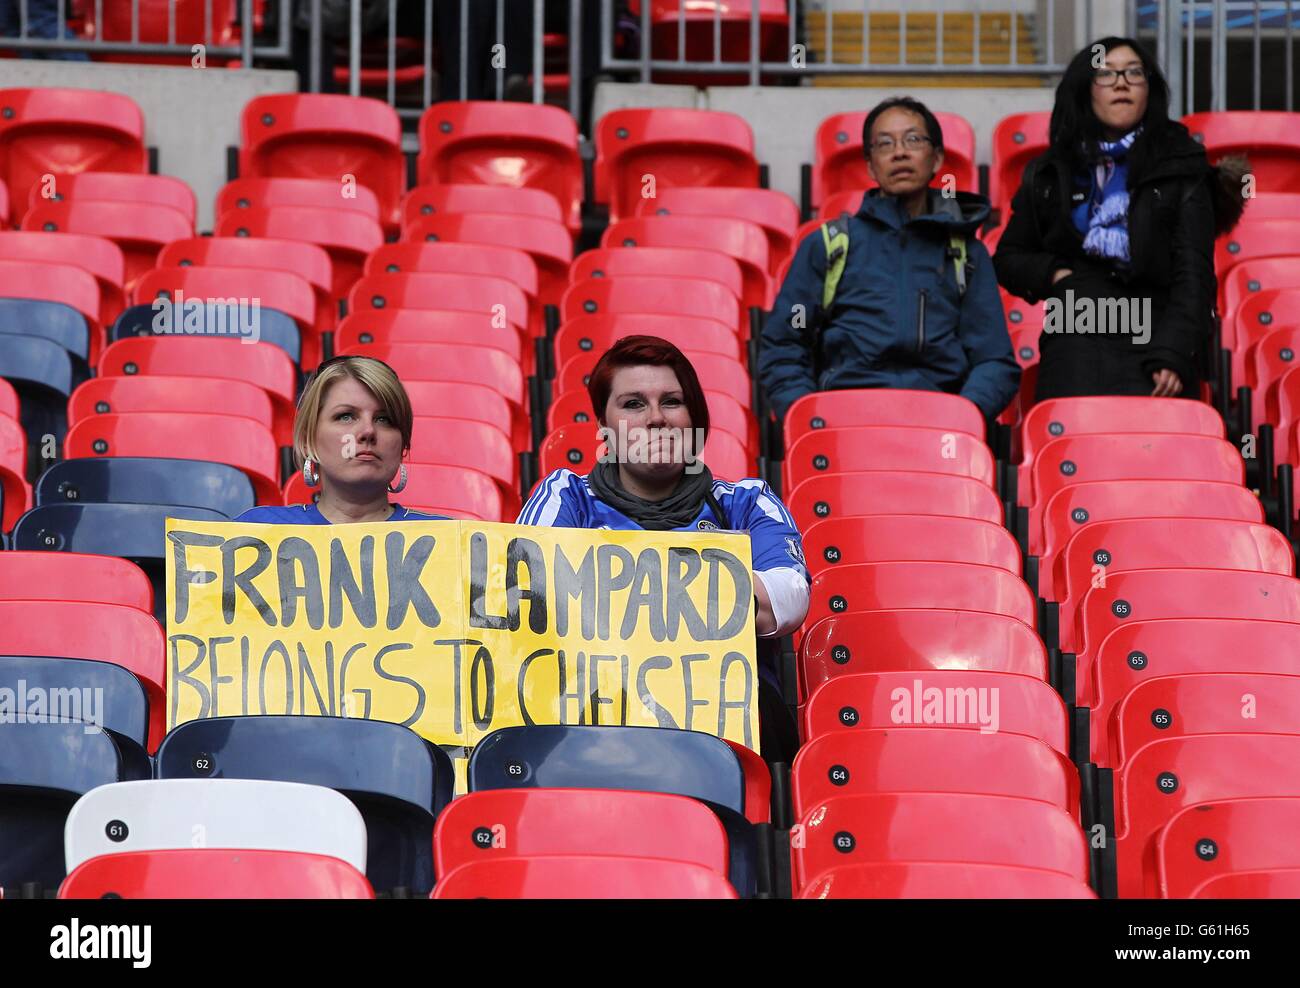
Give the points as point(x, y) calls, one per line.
point(932, 128)
point(1075, 131)
point(637, 351)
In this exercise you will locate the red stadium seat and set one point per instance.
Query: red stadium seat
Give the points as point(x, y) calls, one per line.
point(458, 258)
point(274, 288)
point(315, 193)
point(476, 445)
point(456, 363)
point(774, 212)
point(156, 393)
point(577, 447)
point(68, 283)
point(410, 325)
point(682, 262)
point(1027, 706)
point(1270, 139)
point(886, 448)
point(498, 143)
point(546, 241)
point(594, 334)
point(74, 576)
point(940, 827)
point(1169, 775)
point(496, 298)
point(1102, 548)
point(840, 165)
point(1107, 500)
point(725, 413)
point(920, 640)
point(260, 253)
point(1059, 417)
point(213, 873)
point(1270, 311)
point(1284, 883)
point(318, 135)
point(547, 822)
point(98, 255)
point(891, 538)
point(1132, 456)
point(4, 206)
point(932, 759)
point(8, 399)
point(152, 190)
point(676, 147)
point(232, 439)
point(1284, 404)
point(655, 295)
point(1136, 652)
point(673, 24)
point(1258, 274)
point(847, 201)
point(716, 373)
point(892, 492)
point(433, 489)
point(428, 200)
point(943, 880)
point(1225, 838)
point(577, 877)
point(261, 364)
point(881, 406)
point(1017, 139)
point(758, 783)
point(141, 233)
point(13, 469)
point(910, 584)
point(1145, 594)
point(1200, 703)
point(1256, 238)
point(187, 22)
point(51, 131)
point(744, 241)
point(124, 636)
point(346, 236)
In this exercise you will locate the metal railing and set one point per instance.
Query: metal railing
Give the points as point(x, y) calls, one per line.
point(92, 40)
point(1253, 24)
point(794, 59)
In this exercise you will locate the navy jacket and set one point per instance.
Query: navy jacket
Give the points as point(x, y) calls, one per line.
point(898, 320)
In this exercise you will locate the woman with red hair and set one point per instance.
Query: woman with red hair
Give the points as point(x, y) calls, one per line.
point(654, 420)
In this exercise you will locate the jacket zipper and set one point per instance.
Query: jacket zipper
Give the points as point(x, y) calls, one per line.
point(920, 323)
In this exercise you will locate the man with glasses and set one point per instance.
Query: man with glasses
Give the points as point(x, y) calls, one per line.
point(899, 295)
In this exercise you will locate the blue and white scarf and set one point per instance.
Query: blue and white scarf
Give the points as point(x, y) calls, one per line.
point(1107, 234)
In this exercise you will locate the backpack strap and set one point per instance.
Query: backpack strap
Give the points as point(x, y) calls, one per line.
point(957, 251)
point(835, 235)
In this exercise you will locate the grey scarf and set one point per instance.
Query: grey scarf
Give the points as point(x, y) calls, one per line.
point(680, 507)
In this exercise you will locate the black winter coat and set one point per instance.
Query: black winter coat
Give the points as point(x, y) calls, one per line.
point(1171, 226)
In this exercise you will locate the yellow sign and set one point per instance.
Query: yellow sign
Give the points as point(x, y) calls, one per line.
point(456, 629)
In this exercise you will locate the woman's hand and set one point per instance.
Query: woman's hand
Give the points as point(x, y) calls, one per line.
point(1060, 273)
point(1168, 384)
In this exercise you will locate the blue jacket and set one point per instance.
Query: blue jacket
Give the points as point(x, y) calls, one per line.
point(898, 319)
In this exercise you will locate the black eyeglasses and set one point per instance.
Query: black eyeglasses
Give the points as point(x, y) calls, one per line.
point(913, 142)
point(1134, 76)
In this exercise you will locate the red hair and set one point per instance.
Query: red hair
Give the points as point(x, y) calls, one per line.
point(638, 351)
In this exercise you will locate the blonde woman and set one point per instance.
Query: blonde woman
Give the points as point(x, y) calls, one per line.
point(352, 429)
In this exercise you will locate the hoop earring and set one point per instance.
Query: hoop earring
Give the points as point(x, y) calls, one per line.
point(310, 475)
point(401, 484)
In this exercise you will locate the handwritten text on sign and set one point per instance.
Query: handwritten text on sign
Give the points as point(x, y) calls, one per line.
point(456, 629)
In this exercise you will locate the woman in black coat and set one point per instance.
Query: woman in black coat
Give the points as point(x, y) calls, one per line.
point(1114, 227)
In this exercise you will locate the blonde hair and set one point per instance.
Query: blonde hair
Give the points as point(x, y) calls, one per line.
point(377, 378)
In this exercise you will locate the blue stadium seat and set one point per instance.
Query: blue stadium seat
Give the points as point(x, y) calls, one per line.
point(139, 479)
point(54, 321)
point(398, 781)
point(649, 759)
point(44, 769)
point(124, 709)
point(132, 531)
point(43, 374)
point(273, 325)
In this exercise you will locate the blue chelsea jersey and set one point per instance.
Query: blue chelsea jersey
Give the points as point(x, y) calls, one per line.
point(564, 499)
point(309, 514)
